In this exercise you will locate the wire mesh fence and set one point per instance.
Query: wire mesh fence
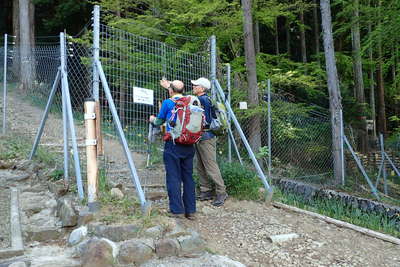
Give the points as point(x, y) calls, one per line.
point(131, 62)
point(293, 140)
point(300, 142)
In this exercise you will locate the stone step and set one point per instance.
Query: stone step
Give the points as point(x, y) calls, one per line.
point(12, 228)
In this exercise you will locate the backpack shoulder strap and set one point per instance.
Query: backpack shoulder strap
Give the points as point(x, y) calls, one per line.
point(213, 112)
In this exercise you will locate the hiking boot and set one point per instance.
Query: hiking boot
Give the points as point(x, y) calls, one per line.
point(208, 195)
point(190, 216)
point(219, 200)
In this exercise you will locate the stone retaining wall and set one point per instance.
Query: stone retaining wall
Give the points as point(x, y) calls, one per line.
point(310, 192)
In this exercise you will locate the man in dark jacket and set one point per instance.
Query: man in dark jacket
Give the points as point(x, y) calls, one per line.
point(206, 150)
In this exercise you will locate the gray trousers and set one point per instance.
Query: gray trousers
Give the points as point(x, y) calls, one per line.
point(207, 166)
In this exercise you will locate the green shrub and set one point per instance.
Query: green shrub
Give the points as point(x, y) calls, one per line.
point(240, 181)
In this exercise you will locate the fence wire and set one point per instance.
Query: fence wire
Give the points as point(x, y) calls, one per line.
point(301, 135)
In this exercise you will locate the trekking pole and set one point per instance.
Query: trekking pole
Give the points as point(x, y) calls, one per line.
point(149, 140)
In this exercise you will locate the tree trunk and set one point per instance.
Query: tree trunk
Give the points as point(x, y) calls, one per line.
point(372, 85)
point(254, 122)
point(25, 44)
point(16, 63)
point(381, 87)
point(358, 78)
point(303, 37)
point(316, 29)
point(287, 27)
point(257, 36)
point(334, 90)
point(394, 67)
point(276, 37)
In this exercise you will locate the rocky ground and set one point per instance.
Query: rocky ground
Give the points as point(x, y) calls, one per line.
point(240, 230)
point(4, 217)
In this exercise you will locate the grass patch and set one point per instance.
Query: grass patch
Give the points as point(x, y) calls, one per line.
point(241, 182)
point(18, 147)
point(342, 211)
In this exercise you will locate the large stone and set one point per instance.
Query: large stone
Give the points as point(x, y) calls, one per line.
point(19, 177)
point(154, 232)
point(35, 188)
point(282, 238)
point(117, 193)
point(28, 165)
point(35, 202)
point(85, 216)
point(18, 264)
point(191, 245)
point(43, 234)
point(134, 252)
point(66, 212)
point(99, 253)
point(115, 233)
point(167, 247)
point(6, 164)
point(177, 230)
point(58, 188)
point(77, 235)
point(44, 218)
point(81, 248)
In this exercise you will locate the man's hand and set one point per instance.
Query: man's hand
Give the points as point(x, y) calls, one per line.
point(152, 118)
point(165, 83)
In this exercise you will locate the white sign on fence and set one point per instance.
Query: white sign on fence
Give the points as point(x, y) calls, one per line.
point(242, 105)
point(143, 96)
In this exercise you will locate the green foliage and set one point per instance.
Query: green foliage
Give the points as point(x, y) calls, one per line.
point(56, 175)
point(51, 15)
point(342, 211)
point(240, 181)
point(19, 147)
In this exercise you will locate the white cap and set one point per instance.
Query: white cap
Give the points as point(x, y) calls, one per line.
point(203, 82)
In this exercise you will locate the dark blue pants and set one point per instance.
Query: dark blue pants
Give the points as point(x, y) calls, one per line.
point(178, 160)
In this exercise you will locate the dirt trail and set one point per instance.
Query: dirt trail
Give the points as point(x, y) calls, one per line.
point(240, 229)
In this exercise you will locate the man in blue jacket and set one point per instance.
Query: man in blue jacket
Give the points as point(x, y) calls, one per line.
point(178, 159)
point(206, 151)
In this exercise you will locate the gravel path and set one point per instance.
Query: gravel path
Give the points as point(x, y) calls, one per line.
point(240, 231)
point(4, 218)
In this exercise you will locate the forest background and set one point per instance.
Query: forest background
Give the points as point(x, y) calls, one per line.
point(287, 41)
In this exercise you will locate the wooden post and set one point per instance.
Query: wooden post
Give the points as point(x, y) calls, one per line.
point(100, 148)
point(91, 153)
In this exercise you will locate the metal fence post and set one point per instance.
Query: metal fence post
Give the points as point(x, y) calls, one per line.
point(5, 85)
point(360, 166)
point(45, 114)
point(260, 173)
point(228, 83)
point(269, 130)
point(65, 137)
point(121, 134)
point(383, 163)
point(65, 90)
point(342, 146)
point(96, 51)
point(213, 65)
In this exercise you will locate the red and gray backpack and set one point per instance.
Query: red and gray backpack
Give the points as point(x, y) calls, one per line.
point(186, 122)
